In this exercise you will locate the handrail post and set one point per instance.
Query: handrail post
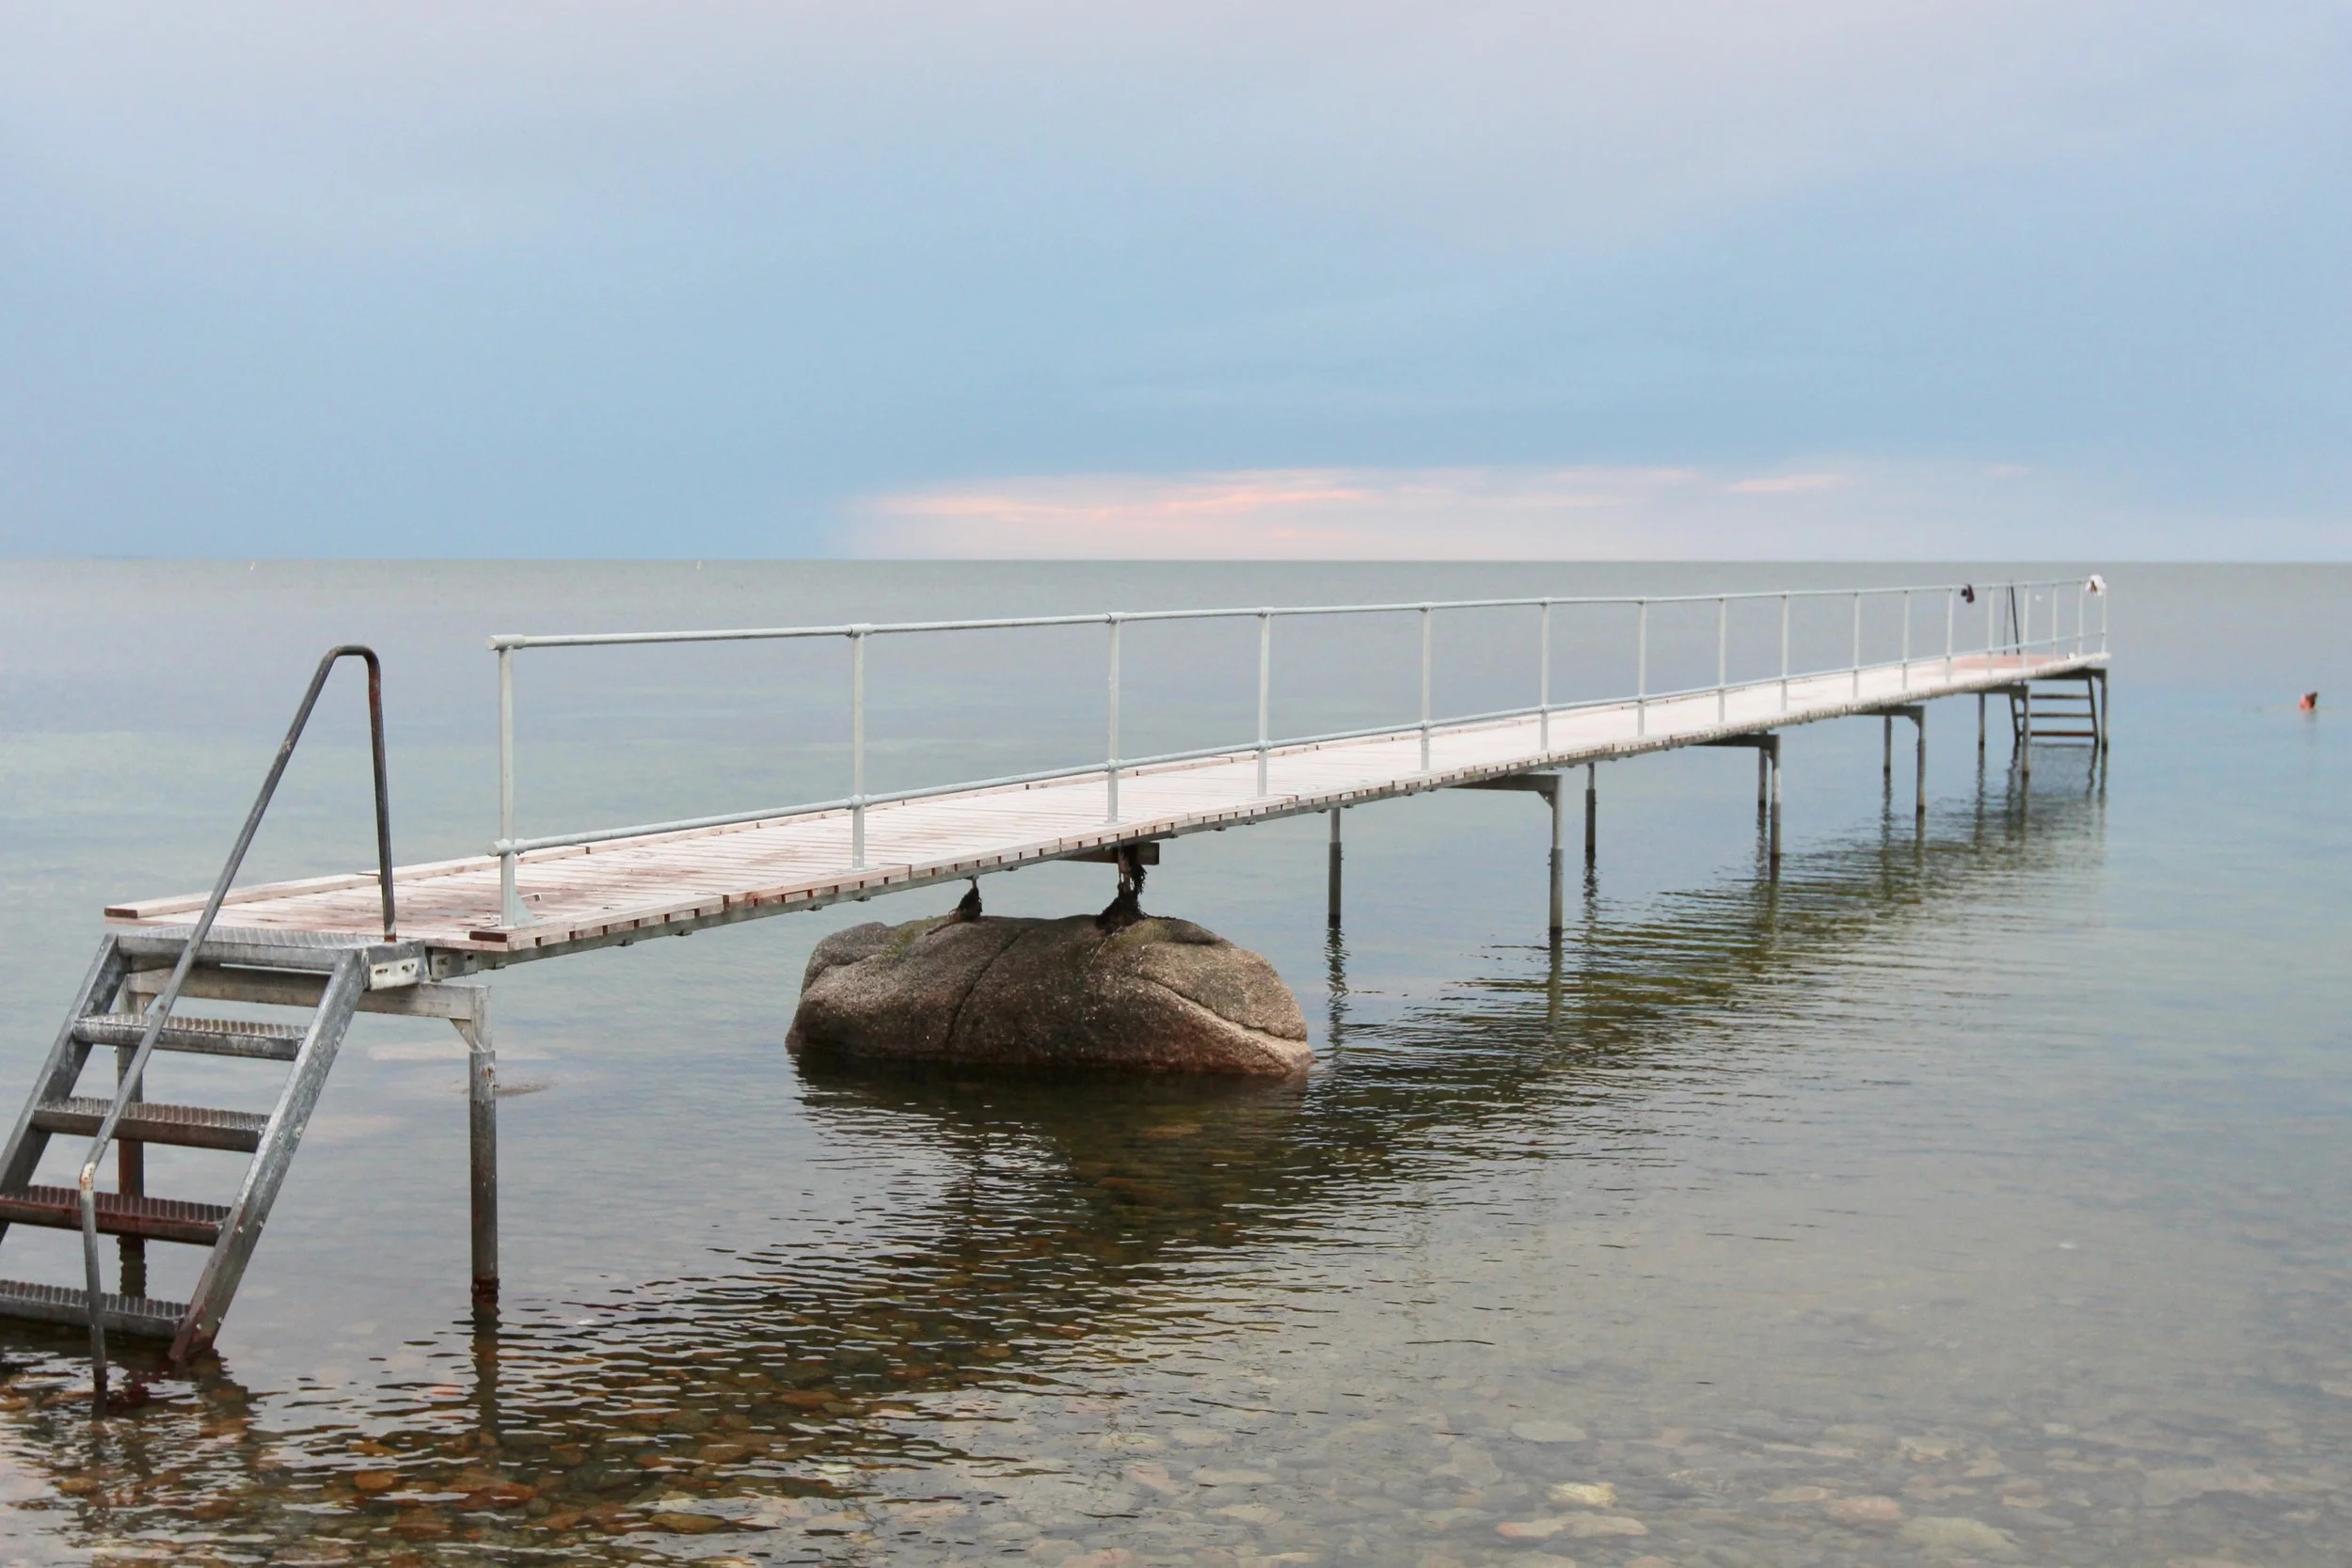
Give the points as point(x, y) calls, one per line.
point(1906, 639)
point(857, 747)
point(1424, 689)
point(1543, 679)
point(1857, 644)
point(1783, 653)
point(1110, 767)
point(2103, 626)
point(511, 912)
point(1641, 667)
point(1951, 626)
point(1723, 652)
point(1265, 682)
point(2082, 614)
point(1991, 619)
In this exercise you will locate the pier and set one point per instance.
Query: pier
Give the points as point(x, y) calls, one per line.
point(408, 939)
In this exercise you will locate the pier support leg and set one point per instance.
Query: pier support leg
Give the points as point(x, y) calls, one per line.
point(481, 1126)
point(1334, 915)
point(1592, 815)
point(1772, 840)
point(1979, 726)
point(131, 1162)
point(1763, 780)
point(2025, 734)
point(1886, 758)
point(1919, 798)
point(1559, 861)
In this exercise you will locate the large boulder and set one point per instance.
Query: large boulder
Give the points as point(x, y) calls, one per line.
point(1161, 995)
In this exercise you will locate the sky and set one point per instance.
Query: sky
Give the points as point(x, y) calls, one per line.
point(1478, 279)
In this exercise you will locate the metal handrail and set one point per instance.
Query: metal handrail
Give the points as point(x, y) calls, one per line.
point(508, 846)
point(159, 1011)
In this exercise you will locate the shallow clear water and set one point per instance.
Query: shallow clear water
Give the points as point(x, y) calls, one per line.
point(1978, 1192)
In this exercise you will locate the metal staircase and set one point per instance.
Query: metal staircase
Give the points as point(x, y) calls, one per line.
point(2070, 709)
point(332, 974)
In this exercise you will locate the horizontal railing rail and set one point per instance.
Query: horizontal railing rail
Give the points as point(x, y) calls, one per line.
point(2010, 624)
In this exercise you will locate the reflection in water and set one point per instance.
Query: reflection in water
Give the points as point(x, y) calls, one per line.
point(1084, 1225)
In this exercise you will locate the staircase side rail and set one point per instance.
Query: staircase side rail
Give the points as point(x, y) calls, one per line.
point(159, 1012)
point(510, 846)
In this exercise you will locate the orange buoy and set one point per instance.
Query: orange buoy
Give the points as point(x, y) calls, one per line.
point(2309, 702)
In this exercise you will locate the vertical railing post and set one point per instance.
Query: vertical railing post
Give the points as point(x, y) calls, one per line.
point(1951, 626)
point(1906, 639)
point(1857, 644)
point(1543, 680)
point(2103, 622)
point(2082, 614)
point(510, 897)
point(1783, 653)
point(1723, 652)
point(1641, 667)
point(857, 747)
point(1266, 686)
point(2025, 627)
point(1110, 766)
point(1992, 615)
point(1424, 689)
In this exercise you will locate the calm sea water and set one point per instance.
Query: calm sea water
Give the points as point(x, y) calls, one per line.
point(1973, 1191)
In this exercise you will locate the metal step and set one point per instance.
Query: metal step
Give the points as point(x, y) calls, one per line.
point(209, 1037)
point(151, 1121)
point(63, 1304)
point(157, 1219)
point(389, 964)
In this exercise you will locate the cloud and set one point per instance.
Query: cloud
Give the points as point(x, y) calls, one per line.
point(1588, 513)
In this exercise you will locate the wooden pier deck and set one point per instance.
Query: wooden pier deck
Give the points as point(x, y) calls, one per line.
point(619, 890)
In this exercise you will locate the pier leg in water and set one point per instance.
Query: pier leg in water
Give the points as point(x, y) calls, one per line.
point(130, 1162)
point(1592, 815)
point(2025, 738)
point(1981, 726)
point(481, 1126)
point(1559, 861)
point(1334, 912)
point(1919, 798)
point(1886, 757)
point(1772, 852)
point(1763, 780)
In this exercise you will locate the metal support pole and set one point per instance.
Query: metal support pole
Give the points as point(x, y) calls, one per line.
point(1763, 779)
point(1979, 726)
point(1424, 689)
point(510, 898)
point(1266, 686)
point(1857, 644)
point(1887, 757)
point(1991, 621)
point(1919, 802)
point(1543, 680)
point(1110, 766)
point(131, 1158)
point(1906, 639)
point(482, 1130)
point(1783, 653)
point(1641, 667)
point(857, 749)
point(1592, 815)
point(1723, 652)
point(1334, 912)
point(1951, 626)
point(2025, 736)
point(1559, 861)
point(1772, 828)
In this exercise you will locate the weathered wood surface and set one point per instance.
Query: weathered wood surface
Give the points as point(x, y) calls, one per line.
point(595, 893)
